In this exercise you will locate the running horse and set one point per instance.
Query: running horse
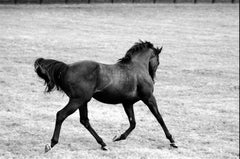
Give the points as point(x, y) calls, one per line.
point(129, 80)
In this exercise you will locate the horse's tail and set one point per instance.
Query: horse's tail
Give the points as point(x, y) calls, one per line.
point(52, 72)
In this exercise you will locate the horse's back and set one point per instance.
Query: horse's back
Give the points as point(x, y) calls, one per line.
point(82, 78)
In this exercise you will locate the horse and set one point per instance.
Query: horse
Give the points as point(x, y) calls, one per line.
point(126, 82)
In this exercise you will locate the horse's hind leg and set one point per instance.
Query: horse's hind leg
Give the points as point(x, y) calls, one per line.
point(70, 108)
point(130, 113)
point(83, 111)
point(152, 105)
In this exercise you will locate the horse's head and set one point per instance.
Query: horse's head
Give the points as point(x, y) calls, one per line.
point(143, 51)
point(154, 62)
point(43, 73)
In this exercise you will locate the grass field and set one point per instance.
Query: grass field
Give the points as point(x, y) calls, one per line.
point(197, 85)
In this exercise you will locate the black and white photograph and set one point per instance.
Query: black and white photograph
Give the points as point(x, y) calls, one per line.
point(119, 79)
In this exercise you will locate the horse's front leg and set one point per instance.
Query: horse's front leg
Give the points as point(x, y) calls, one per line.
point(83, 111)
point(152, 105)
point(131, 117)
point(70, 108)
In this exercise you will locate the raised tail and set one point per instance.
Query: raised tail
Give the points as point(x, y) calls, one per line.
point(52, 72)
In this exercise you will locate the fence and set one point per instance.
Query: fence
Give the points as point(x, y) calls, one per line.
point(112, 1)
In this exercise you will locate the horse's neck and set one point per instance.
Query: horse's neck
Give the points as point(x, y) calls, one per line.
point(142, 58)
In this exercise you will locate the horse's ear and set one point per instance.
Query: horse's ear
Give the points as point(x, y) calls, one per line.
point(159, 50)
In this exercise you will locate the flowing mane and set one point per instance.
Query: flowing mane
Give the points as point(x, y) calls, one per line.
point(137, 47)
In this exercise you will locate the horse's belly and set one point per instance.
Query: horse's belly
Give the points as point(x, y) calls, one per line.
point(115, 98)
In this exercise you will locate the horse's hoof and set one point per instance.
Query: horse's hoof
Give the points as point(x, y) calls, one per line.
point(104, 148)
point(47, 148)
point(118, 138)
point(173, 145)
point(115, 138)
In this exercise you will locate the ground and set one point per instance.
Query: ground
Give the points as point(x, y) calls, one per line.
point(197, 84)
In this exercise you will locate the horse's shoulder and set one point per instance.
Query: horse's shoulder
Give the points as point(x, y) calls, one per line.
point(145, 84)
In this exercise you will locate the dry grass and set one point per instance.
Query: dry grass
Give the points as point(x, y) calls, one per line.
point(197, 84)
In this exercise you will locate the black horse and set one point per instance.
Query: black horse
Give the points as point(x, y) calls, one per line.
point(129, 80)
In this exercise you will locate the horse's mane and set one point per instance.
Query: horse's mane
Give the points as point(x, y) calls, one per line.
point(136, 48)
point(54, 72)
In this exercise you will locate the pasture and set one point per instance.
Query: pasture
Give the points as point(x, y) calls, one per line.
point(197, 84)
